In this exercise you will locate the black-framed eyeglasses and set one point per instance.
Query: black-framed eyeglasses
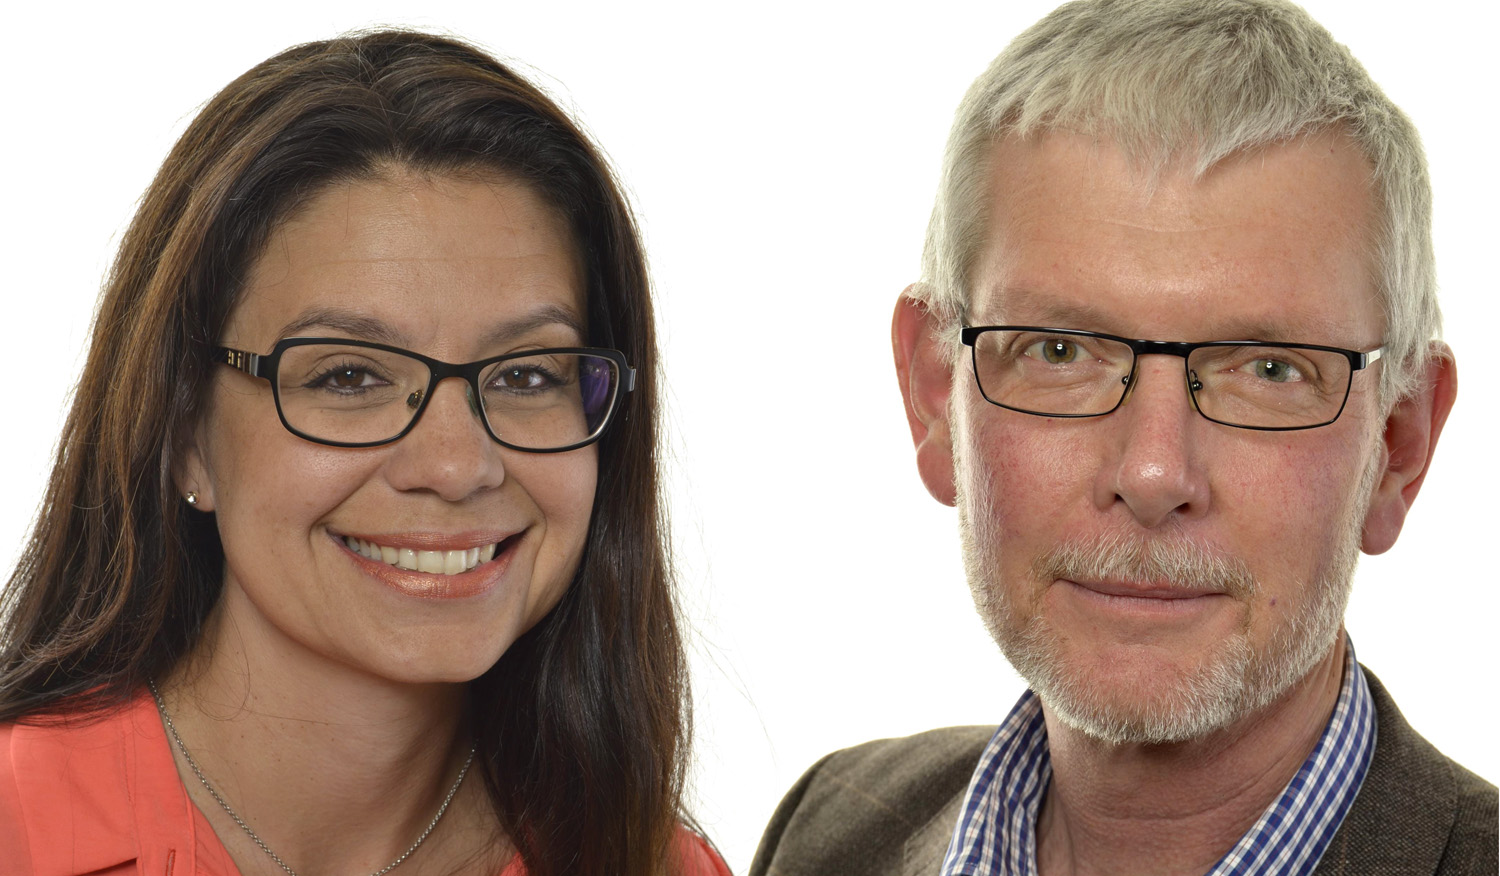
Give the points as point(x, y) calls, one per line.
point(348, 393)
point(1272, 387)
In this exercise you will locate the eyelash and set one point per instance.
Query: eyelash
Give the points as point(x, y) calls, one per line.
point(322, 378)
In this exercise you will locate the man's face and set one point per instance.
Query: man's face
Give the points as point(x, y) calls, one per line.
point(1155, 575)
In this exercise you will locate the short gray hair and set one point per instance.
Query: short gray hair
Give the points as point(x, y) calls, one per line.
point(1193, 80)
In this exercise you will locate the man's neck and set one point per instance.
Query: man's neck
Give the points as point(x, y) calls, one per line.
point(1176, 809)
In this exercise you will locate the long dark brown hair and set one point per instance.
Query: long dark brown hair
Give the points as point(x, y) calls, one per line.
point(582, 725)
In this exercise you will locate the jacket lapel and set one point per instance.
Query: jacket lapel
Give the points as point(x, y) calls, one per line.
point(923, 854)
point(1405, 811)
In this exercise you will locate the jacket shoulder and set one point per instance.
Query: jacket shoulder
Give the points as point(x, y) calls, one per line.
point(1418, 811)
point(857, 810)
point(1474, 844)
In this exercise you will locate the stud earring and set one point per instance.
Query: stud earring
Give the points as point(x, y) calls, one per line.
point(192, 498)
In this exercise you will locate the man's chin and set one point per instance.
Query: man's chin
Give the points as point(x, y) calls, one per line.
point(1140, 697)
point(1137, 698)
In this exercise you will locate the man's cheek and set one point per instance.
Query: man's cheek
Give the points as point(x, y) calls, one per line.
point(1035, 492)
point(1046, 470)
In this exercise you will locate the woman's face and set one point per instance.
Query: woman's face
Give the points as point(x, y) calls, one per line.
point(456, 269)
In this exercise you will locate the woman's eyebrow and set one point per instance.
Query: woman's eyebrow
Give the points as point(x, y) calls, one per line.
point(369, 328)
point(345, 322)
point(548, 314)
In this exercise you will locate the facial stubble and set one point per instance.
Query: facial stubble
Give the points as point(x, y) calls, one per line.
point(1233, 680)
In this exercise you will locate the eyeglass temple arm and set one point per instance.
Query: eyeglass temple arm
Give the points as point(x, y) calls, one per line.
point(239, 360)
point(1365, 359)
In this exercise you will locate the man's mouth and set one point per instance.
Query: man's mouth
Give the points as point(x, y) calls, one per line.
point(1146, 590)
point(454, 562)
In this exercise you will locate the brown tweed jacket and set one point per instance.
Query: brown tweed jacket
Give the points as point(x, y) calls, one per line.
point(888, 808)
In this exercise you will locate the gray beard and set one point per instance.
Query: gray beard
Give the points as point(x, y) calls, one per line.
point(1230, 683)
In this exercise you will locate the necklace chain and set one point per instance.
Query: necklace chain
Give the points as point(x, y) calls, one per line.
point(161, 706)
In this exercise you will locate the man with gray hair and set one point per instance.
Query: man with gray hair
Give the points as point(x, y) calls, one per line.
point(1174, 359)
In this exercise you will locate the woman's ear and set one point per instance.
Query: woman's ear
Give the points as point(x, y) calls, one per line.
point(926, 378)
point(1411, 434)
point(191, 473)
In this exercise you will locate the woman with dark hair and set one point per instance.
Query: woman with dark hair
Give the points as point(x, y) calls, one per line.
point(353, 556)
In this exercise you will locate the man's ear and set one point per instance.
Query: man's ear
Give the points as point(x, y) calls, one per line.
point(926, 378)
point(191, 473)
point(1411, 434)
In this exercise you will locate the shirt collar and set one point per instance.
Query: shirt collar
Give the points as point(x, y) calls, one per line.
point(102, 791)
point(996, 830)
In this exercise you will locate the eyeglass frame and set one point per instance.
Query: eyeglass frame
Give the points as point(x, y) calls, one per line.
point(1358, 361)
point(265, 365)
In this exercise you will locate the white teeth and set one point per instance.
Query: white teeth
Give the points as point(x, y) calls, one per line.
point(432, 562)
point(453, 562)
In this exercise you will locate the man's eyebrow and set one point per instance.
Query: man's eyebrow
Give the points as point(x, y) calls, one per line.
point(1025, 306)
point(364, 327)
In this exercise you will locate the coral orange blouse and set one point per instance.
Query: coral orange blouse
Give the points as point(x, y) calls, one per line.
point(104, 798)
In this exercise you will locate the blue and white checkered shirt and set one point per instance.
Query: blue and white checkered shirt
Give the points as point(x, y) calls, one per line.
point(996, 832)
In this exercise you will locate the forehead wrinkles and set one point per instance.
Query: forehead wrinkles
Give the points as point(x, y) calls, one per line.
point(1248, 220)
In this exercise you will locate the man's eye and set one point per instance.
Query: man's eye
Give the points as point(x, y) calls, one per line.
point(1056, 351)
point(1274, 370)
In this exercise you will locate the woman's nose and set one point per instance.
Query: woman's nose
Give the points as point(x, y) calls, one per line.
point(448, 451)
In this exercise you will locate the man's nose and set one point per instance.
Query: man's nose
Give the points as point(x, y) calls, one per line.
point(448, 451)
point(1156, 469)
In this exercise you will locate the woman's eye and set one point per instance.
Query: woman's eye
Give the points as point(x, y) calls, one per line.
point(348, 378)
point(522, 378)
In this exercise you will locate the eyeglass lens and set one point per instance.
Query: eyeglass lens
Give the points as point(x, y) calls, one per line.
point(1065, 375)
point(357, 395)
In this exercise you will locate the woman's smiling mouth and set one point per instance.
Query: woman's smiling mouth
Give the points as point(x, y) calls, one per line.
point(425, 567)
point(449, 562)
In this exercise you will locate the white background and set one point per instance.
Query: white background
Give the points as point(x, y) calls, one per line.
point(783, 160)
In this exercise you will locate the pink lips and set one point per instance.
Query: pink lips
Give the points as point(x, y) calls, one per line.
point(429, 585)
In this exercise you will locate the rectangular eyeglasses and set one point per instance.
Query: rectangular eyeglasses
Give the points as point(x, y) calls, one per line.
point(1053, 372)
point(348, 393)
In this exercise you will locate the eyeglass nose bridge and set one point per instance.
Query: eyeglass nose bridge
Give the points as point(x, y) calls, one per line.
point(1181, 349)
point(437, 373)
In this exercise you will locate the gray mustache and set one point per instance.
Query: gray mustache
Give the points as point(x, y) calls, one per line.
point(1178, 562)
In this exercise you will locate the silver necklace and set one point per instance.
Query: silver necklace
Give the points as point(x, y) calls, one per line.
point(161, 706)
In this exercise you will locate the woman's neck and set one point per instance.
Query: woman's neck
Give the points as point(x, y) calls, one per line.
point(335, 770)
